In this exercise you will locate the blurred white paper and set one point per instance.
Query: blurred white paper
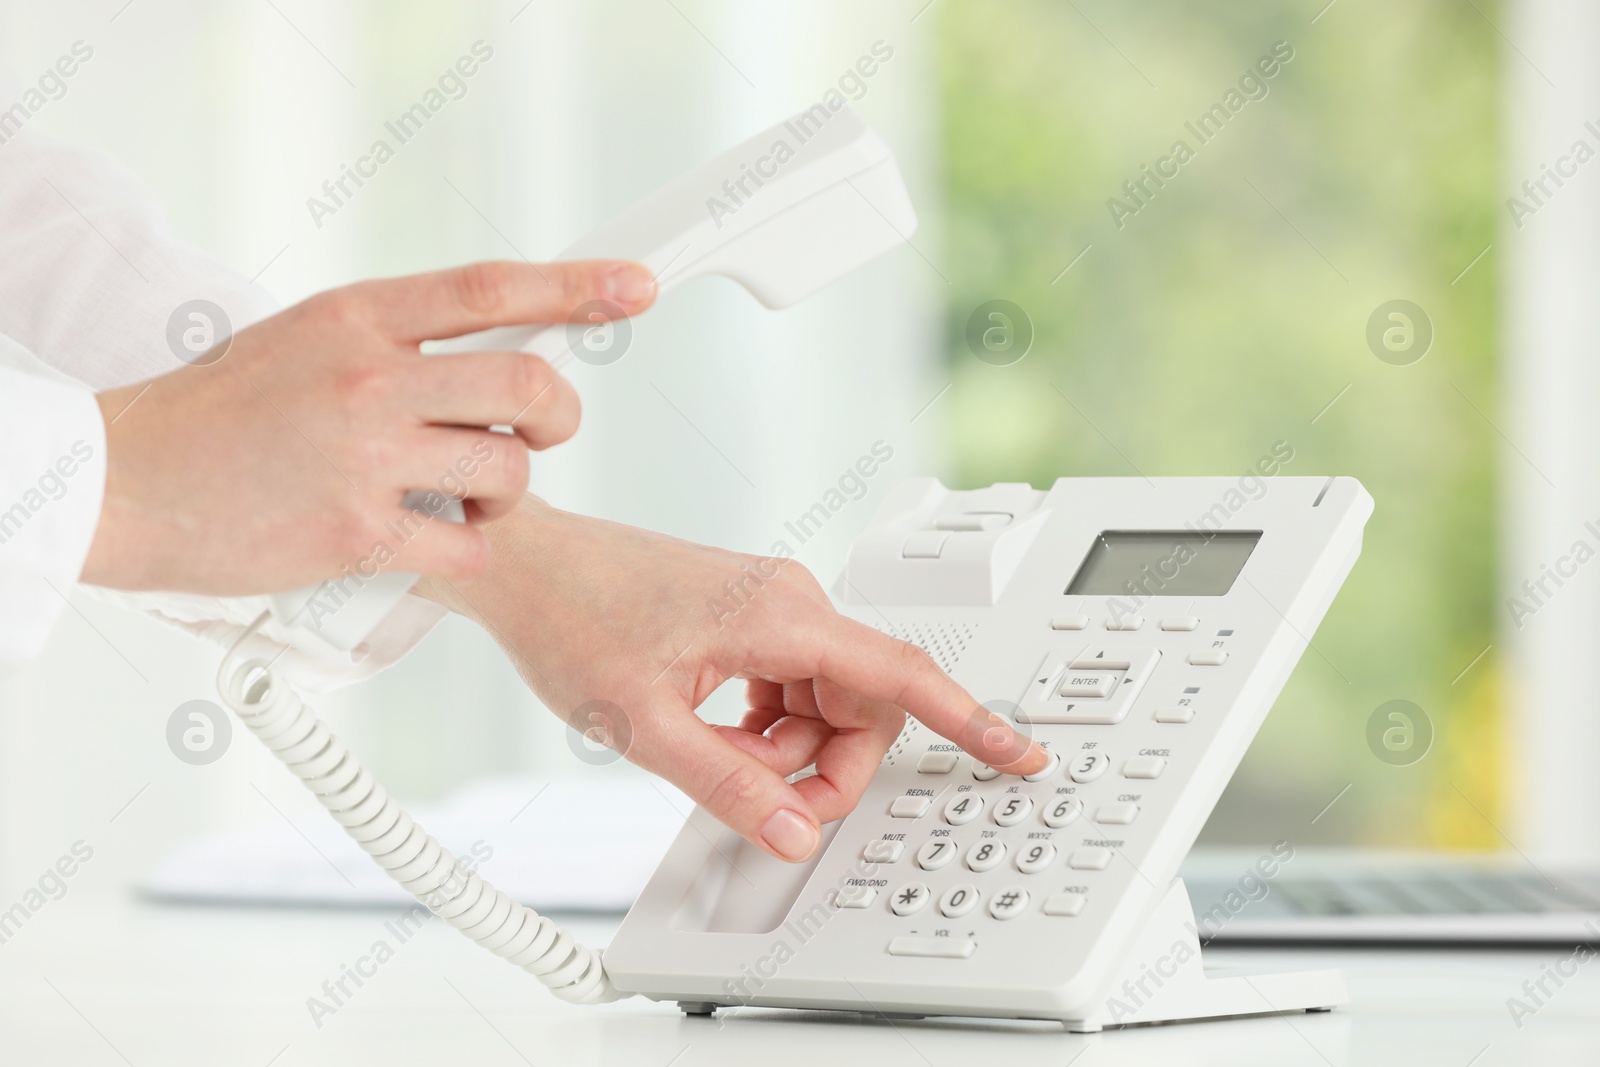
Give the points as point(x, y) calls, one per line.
point(563, 845)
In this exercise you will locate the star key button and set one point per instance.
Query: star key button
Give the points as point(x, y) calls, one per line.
point(909, 898)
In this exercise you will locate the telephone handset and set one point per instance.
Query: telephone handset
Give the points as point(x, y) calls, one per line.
point(783, 214)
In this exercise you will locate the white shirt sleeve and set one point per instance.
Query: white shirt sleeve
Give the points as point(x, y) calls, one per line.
point(89, 277)
point(52, 475)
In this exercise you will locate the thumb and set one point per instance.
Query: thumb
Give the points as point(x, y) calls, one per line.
point(742, 792)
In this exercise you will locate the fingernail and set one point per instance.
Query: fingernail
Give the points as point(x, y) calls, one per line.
point(630, 284)
point(791, 835)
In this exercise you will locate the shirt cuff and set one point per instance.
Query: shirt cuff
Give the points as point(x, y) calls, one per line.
point(52, 481)
point(300, 656)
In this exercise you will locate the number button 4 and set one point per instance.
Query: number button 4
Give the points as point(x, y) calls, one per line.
point(962, 809)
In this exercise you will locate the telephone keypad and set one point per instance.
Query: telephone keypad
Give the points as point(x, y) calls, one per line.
point(1021, 818)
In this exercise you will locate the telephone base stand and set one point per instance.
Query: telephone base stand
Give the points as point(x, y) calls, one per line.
point(1165, 980)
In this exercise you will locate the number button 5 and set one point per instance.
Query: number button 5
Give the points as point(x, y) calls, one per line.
point(1012, 811)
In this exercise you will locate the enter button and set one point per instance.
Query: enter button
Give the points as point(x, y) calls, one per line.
point(1087, 684)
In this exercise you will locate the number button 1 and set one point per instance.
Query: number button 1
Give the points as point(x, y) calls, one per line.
point(936, 853)
point(1013, 810)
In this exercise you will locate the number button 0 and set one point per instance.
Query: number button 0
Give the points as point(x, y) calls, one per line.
point(985, 855)
point(936, 853)
point(1036, 858)
point(958, 900)
point(962, 809)
point(1062, 811)
point(1088, 766)
point(1013, 810)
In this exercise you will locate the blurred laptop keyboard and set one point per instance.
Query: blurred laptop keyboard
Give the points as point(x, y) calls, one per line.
point(1370, 896)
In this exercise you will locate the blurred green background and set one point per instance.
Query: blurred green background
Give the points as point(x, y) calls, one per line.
point(1232, 309)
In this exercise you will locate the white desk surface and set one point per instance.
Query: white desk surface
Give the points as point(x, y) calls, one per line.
point(141, 984)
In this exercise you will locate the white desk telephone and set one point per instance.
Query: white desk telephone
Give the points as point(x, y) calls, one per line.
point(1140, 629)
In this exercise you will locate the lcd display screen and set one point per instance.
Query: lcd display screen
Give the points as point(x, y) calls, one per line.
point(1163, 563)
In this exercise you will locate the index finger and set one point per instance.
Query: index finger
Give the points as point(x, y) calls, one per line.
point(880, 667)
point(479, 296)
